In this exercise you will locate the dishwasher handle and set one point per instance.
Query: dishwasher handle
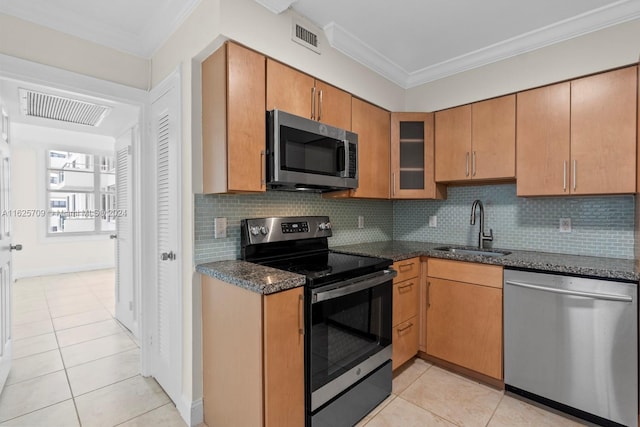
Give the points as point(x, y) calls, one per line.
point(593, 295)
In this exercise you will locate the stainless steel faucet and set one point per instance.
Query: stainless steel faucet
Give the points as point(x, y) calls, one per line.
point(481, 234)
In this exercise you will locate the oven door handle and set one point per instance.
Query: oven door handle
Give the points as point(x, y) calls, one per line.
point(351, 286)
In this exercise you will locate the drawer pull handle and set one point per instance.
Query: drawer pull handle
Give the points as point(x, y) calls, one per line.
point(409, 326)
point(408, 285)
point(406, 266)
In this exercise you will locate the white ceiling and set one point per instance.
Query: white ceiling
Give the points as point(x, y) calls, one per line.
point(412, 42)
point(138, 27)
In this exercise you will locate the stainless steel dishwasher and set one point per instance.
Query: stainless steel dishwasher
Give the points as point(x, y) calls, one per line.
point(572, 343)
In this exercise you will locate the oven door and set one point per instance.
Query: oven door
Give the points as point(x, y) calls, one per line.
point(349, 333)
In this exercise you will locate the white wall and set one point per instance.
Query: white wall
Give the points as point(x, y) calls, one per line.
point(609, 48)
point(33, 42)
point(42, 255)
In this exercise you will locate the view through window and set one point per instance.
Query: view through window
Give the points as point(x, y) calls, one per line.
point(81, 195)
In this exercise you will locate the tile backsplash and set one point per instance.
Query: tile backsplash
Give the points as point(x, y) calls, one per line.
point(601, 226)
point(378, 215)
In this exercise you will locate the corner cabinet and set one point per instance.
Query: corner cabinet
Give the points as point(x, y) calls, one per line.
point(579, 137)
point(476, 141)
point(412, 157)
point(233, 121)
point(252, 356)
point(406, 326)
point(303, 95)
point(464, 315)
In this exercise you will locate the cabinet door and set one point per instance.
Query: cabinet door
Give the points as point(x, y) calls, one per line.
point(246, 125)
point(289, 90)
point(233, 125)
point(493, 133)
point(603, 133)
point(543, 140)
point(333, 106)
point(372, 126)
point(412, 157)
point(464, 325)
point(284, 359)
point(453, 144)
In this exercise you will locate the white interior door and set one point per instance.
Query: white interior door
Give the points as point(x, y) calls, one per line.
point(6, 247)
point(126, 301)
point(167, 337)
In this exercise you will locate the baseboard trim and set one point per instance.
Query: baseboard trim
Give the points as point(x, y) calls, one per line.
point(192, 412)
point(61, 270)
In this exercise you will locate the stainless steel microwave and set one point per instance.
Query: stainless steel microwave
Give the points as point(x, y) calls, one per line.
point(304, 154)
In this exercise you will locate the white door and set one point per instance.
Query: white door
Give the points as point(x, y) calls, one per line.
point(5, 251)
point(167, 336)
point(126, 301)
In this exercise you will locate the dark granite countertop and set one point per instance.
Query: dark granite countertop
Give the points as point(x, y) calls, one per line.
point(606, 268)
point(267, 280)
point(254, 277)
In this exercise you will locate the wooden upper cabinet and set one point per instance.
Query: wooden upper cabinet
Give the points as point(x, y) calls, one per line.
point(412, 157)
point(297, 93)
point(543, 141)
point(493, 132)
point(453, 144)
point(289, 90)
point(333, 106)
point(476, 141)
point(372, 124)
point(603, 133)
point(579, 137)
point(233, 120)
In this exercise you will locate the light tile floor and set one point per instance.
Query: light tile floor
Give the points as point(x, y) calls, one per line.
point(425, 395)
point(73, 363)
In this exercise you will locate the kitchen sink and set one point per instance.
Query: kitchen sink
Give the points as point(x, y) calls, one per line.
point(472, 251)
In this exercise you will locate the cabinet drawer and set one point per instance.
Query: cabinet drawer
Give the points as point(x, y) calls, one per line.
point(405, 342)
point(467, 272)
point(407, 269)
point(405, 300)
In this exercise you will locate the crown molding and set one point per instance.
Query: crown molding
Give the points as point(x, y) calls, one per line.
point(606, 16)
point(276, 6)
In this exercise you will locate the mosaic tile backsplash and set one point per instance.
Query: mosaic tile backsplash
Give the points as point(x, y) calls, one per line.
point(378, 215)
point(601, 226)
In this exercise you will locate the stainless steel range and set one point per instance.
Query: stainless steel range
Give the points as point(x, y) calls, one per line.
point(347, 315)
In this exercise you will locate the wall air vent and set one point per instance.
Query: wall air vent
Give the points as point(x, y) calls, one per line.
point(43, 105)
point(305, 34)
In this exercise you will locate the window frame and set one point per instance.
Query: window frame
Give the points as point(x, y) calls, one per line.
point(96, 193)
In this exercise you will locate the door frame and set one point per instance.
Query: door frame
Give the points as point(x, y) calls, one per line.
point(32, 72)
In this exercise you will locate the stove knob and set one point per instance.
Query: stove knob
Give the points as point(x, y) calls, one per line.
point(255, 230)
point(324, 226)
point(264, 230)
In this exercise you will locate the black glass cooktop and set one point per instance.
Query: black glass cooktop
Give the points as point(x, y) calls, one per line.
point(329, 267)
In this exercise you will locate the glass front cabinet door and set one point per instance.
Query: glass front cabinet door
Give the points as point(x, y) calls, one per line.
point(412, 157)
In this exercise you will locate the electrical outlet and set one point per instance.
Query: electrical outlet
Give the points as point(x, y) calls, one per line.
point(360, 221)
point(433, 221)
point(565, 225)
point(220, 228)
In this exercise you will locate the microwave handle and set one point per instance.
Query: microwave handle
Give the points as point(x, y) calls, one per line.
point(342, 159)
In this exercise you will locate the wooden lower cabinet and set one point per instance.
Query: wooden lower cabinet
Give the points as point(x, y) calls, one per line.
point(253, 356)
point(464, 319)
point(406, 297)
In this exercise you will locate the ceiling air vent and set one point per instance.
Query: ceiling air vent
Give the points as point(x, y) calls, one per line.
point(305, 34)
point(43, 105)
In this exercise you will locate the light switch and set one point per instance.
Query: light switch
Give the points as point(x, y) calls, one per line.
point(433, 221)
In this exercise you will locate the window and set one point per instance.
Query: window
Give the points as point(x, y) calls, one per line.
point(80, 196)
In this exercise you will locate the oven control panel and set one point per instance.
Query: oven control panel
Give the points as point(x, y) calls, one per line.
point(295, 227)
point(266, 230)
